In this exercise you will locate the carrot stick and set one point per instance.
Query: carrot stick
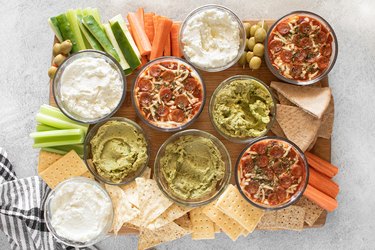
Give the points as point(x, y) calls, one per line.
point(321, 165)
point(321, 199)
point(139, 35)
point(149, 26)
point(323, 183)
point(162, 30)
point(167, 48)
point(175, 44)
point(155, 20)
point(140, 15)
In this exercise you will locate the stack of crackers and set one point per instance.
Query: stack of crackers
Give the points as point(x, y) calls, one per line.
point(304, 113)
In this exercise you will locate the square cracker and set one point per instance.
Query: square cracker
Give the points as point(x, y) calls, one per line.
point(173, 212)
point(235, 206)
point(268, 220)
point(70, 165)
point(229, 226)
point(291, 218)
point(202, 226)
point(312, 211)
point(46, 159)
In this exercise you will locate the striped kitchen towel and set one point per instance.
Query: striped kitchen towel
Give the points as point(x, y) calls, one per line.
point(21, 210)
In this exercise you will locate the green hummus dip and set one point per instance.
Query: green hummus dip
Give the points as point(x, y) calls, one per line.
point(242, 109)
point(192, 166)
point(118, 150)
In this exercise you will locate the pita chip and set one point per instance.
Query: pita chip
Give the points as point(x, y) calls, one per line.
point(326, 128)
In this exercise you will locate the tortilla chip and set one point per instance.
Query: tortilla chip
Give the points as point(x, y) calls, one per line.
point(277, 130)
point(284, 101)
point(130, 189)
point(123, 210)
point(298, 126)
point(202, 226)
point(46, 159)
point(70, 165)
point(150, 238)
point(152, 202)
point(326, 127)
point(235, 206)
point(290, 218)
point(173, 212)
point(312, 211)
point(184, 222)
point(229, 226)
point(268, 220)
point(313, 100)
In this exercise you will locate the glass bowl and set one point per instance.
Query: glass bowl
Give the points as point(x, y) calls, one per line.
point(225, 83)
point(88, 154)
point(194, 73)
point(234, 17)
point(48, 211)
point(333, 54)
point(221, 185)
point(301, 188)
point(57, 84)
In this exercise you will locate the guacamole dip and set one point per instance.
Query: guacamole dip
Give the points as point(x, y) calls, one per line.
point(242, 109)
point(192, 166)
point(118, 149)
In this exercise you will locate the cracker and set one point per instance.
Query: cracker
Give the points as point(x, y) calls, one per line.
point(312, 211)
point(229, 226)
point(152, 202)
point(131, 189)
point(46, 159)
point(235, 206)
point(88, 174)
point(284, 101)
point(70, 165)
point(268, 220)
point(290, 218)
point(245, 233)
point(150, 238)
point(298, 126)
point(202, 226)
point(277, 130)
point(173, 212)
point(184, 222)
point(217, 228)
point(326, 128)
point(311, 99)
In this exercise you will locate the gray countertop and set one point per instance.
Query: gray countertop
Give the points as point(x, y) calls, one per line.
point(26, 42)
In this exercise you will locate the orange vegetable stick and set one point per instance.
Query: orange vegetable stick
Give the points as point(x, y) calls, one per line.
point(155, 20)
point(162, 31)
point(321, 199)
point(140, 15)
point(321, 165)
point(149, 26)
point(323, 183)
point(167, 48)
point(139, 34)
point(175, 45)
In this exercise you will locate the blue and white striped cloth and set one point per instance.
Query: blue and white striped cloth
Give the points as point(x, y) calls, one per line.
point(21, 210)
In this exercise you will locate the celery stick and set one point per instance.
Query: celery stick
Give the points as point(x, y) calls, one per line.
point(56, 133)
point(56, 143)
point(71, 15)
point(78, 148)
point(57, 137)
point(54, 24)
point(67, 31)
point(56, 112)
point(42, 127)
point(53, 150)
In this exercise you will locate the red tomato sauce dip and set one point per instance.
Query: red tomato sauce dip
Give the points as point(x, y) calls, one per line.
point(300, 48)
point(168, 94)
point(270, 172)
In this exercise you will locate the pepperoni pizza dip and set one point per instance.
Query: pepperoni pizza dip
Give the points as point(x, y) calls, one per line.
point(271, 172)
point(168, 94)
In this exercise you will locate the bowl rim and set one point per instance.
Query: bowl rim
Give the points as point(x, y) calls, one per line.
point(226, 158)
point(240, 27)
point(135, 104)
point(72, 57)
point(286, 204)
point(47, 213)
point(87, 144)
point(220, 87)
point(333, 58)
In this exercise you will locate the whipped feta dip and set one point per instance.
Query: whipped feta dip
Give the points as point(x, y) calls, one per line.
point(90, 88)
point(211, 38)
point(80, 211)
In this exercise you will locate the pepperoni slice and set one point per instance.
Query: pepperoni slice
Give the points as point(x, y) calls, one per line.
point(275, 46)
point(263, 161)
point(296, 170)
point(247, 164)
point(260, 148)
point(305, 42)
point(296, 71)
point(145, 99)
point(181, 102)
point(165, 94)
point(190, 84)
point(286, 55)
point(144, 85)
point(285, 181)
point(177, 115)
point(300, 55)
point(311, 56)
point(272, 199)
point(197, 93)
point(281, 194)
point(321, 37)
point(168, 76)
point(278, 168)
point(305, 28)
point(270, 175)
point(155, 70)
point(162, 110)
point(277, 151)
point(326, 50)
point(252, 188)
point(323, 62)
point(283, 28)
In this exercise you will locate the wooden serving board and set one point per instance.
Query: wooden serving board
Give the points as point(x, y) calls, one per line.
point(322, 147)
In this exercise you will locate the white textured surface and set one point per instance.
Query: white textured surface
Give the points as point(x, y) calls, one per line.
point(25, 57)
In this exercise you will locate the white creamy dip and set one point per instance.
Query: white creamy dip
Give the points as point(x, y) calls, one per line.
point(91, 88)
point(80, 211)
point(211, 38)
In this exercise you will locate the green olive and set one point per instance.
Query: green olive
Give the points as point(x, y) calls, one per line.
point(247, 29)
point(253, 29)
point(249, 55)
point(56, 49)
point(260, 35)
point(251, 43)
point(255, 62)
point(263, 24)
point(52, 71)
point(258, 49)
point(58, 60)
point(242, 60)
point(246, 47)
point(66, 47)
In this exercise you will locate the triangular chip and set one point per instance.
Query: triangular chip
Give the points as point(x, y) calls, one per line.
point(312, 211)
point(298, 126)
point(277, 130)
point(326, 127)
point(46, 159)
point(202, 226)
point(284, 101)
point(235, 206)
point(131, 191)
point(150, 238)
point(173, 212)
point(313, 100)
point(290, 218)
